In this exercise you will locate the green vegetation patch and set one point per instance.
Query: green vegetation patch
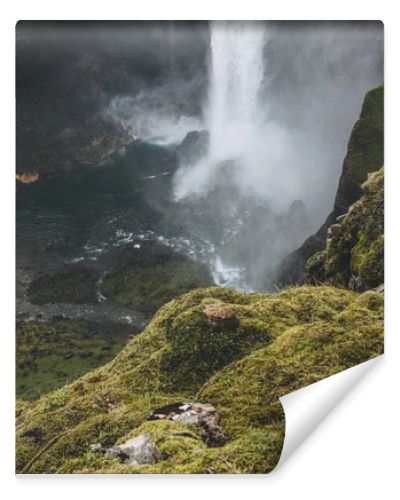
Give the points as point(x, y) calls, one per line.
point(152, 275)
point(354, 255)
point(52, 354)
point(365, 148)
point(284, 341)
point(73, 284)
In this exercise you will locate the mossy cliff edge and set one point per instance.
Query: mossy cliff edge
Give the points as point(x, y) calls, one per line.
point(365, 155)
point(277, 343)
point(354, 253)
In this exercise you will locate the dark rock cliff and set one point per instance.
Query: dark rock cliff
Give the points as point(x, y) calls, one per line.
point(354, 253)
point(364, 155)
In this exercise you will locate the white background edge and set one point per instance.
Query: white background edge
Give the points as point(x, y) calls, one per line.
point(355, 451)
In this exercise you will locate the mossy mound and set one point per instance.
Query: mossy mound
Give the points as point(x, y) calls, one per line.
point(281, 342)
point(73, 284)
point(354, 255)
point(52, 354)
point(152, 275)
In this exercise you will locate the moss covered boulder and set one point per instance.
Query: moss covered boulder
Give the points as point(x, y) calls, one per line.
point(354, 254)
point(278, 343)
point(149, 276)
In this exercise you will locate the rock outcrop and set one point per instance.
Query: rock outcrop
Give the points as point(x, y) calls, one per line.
point(193, 147)
point(135, 451)
point(204, 415)
point(364, 156)
point(354, 253)
point(220, 317)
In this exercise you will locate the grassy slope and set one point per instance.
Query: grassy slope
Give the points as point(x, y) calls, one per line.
point(52, 354)
point(284, 341)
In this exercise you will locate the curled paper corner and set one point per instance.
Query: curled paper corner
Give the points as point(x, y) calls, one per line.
point(306, 408)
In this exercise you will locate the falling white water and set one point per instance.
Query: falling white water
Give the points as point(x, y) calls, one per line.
point(278, 127)
point(232, 118)
point(236, 74)
point(232, 114)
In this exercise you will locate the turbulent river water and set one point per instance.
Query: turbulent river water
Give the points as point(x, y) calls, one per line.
point(87, 217)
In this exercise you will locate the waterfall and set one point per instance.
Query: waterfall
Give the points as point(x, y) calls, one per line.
point(278, 112)
point(232, 112)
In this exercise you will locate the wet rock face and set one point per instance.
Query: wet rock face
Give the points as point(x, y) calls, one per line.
point(138, 450)
point(220, 317)
point(193, 147)
point(204, 415)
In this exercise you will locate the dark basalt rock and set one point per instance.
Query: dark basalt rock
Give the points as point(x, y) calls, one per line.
point(193, 147)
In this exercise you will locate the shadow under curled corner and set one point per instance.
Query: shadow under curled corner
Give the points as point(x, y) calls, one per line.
point(306, 408)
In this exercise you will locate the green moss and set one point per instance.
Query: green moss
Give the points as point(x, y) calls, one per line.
point(183, 452)
point(365, 148)
point(197, 350)
point(246, 392)
point(88, 462)
point(52, 354)
point(284, 341)
point(354, 256)
point(73, 284)
point(315, 267)
point(151, 276)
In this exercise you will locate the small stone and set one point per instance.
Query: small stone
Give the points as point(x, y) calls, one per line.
point(96, 448)
point(220, 317)
point(136, 451)
point(334, 230)
point(202, 414)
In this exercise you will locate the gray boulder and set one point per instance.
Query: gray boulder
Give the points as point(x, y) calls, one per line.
point(138, 450)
